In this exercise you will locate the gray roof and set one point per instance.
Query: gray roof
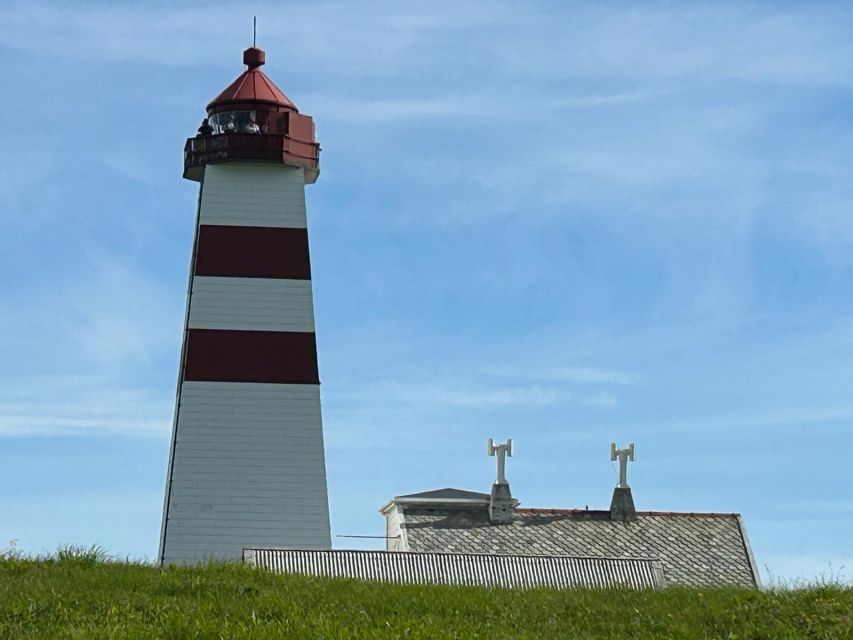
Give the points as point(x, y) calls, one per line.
point(446, 494)
point(695, 549)
point(519, 572)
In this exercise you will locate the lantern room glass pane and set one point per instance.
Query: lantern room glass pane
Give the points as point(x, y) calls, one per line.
point(235, 122)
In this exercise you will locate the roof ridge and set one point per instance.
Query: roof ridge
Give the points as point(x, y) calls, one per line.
point(443, 493)
point(246, 76)
point(704, 514)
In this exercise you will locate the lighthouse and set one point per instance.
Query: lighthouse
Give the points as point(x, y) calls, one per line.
point(246, 463)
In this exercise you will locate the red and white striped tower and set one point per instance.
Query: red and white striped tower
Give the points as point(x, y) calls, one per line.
point(246, 466)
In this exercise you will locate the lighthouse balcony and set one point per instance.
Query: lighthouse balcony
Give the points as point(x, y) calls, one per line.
point(250, 147)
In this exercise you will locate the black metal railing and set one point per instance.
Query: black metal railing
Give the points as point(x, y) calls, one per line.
point(234, 146)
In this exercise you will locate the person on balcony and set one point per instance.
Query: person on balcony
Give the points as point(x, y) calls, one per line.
point(252, 126)
point(205, 129)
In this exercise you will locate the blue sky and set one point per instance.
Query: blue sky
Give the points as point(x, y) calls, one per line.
point(553, 222)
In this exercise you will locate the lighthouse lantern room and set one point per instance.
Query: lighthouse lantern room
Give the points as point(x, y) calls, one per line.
point(246, 464)
point(252, 105)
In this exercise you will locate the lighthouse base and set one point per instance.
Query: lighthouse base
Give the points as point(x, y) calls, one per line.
point(248, 471)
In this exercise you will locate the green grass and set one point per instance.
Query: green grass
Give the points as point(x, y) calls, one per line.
point(79, 593)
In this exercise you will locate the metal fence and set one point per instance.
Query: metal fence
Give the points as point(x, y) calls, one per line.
point(233, 146)
point(516, 572)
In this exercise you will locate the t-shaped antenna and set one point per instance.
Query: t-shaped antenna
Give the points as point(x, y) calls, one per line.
point(624, 455)
point(502, 451)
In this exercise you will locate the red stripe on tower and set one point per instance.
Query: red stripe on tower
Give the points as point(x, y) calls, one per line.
point(251, 356)
point(252, 252)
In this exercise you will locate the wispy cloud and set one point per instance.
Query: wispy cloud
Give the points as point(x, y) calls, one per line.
point(480, 105)
point(112, 315)
point(372, 41)
point(81, 356)
point(107, 32)
point(21, 178)
point(578, 375)
point(467, 393)
point(791, 45)
point(354, 110)
point(722, 425)
point(82, 406)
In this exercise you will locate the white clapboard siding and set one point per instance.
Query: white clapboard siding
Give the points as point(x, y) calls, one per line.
point(251, 304)
point(253, 195)
point(248, 469)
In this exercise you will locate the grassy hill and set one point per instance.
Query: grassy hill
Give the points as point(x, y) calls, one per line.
point(79, 595)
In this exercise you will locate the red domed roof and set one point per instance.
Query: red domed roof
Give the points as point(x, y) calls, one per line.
point(252, 86)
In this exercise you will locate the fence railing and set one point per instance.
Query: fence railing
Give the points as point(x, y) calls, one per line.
point(263, 147)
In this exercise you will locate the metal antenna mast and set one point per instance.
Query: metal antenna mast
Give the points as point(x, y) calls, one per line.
point(254, 31)
point(502, 451)
point(623, 455)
